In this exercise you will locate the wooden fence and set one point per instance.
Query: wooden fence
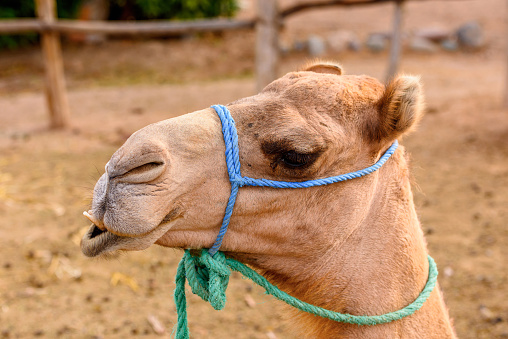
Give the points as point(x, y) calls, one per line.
point(267, 24)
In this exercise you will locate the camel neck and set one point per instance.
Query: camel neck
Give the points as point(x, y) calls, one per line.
point(379, 266)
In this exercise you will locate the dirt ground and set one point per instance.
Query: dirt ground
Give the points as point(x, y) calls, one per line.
point(49, 289)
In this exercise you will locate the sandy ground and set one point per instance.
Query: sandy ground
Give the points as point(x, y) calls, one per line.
point(48, 289)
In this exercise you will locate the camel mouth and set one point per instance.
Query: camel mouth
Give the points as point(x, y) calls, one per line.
point(96, 231)
point(97, 241)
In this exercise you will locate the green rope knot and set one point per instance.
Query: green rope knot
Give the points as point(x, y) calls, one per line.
point(209, 276)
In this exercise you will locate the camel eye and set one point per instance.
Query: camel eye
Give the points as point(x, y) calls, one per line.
point(293, 156)
point(293, 159)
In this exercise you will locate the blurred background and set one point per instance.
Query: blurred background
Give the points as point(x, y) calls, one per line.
point(116, 84)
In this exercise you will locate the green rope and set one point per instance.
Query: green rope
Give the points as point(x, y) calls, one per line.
point(209, 276)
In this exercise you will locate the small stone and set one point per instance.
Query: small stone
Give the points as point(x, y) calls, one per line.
point(317, 45)
point(470, 36)
point(422, 45)
point(486, 313)
point(355, 45)
point(450, 45)
point(300, 46)
point(448, 271)
point(156, 325)
point(376, 42)
point(271, 335)
point(250, 301)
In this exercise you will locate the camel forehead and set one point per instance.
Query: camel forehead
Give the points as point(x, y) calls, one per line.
point(312, 97)
point(310, 86)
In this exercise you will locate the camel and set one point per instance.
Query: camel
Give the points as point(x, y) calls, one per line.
point(353, 247)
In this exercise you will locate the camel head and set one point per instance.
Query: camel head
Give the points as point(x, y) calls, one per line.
point(168, 184)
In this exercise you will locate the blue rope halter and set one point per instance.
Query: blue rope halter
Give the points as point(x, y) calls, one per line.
point(208, 275)
point(237, 180)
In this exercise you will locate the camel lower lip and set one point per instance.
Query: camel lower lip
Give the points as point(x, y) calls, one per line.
point(96, 241)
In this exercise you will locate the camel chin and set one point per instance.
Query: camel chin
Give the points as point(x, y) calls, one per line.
point(100, 241)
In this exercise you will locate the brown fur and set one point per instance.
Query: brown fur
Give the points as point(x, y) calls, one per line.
point(323, 67)
point(353, 247)
point(400, 107)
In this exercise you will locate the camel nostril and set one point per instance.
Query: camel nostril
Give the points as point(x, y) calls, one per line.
point(145, 168)
point(143, 173)
point(137, 161)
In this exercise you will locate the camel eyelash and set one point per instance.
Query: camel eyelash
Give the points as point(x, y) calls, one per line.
point(282, 153)
point(293, 159)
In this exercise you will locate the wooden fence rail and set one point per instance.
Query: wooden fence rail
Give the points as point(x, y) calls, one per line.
point(267, 24)
point(135, 28)
point(20, 26)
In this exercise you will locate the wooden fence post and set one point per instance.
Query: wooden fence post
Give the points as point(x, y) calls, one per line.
point(505, 98)
point(395, 47)
point(267, 42)
point(55, 81)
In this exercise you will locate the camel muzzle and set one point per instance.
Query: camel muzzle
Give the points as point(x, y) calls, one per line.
point(96, 241)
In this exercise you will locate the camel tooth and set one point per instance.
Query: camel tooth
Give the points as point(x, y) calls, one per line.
point(97, 223)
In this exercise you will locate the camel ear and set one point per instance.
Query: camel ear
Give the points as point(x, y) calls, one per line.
point(400, 107)
point(324, 67)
